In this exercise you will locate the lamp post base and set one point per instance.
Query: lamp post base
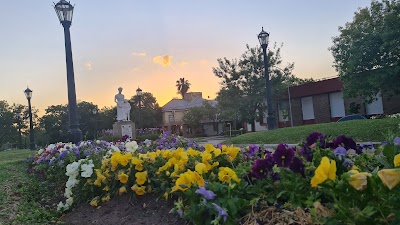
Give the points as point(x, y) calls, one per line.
point(75, 135)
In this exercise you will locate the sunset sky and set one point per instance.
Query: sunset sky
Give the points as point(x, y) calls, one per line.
point(127, 43)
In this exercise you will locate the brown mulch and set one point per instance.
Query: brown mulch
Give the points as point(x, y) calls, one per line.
point(141, 210)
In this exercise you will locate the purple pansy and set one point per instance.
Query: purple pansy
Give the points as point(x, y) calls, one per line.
point(262, 166)
point(221, 212)
point(297, 166)
point(340, 152)
point(396, 141)
point(283, 155)
point(207, 194)
point(345, 142)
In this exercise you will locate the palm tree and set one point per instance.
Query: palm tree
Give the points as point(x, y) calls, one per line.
point(183, 86)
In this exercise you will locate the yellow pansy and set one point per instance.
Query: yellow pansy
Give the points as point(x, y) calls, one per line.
point(201, 168)
point(183, 183)
point(325, 170)
point(231, 152)
point(358, 180)
point(205, 156)
point(106, 198)
point(217, 152)
point(115, 159)
point(122, 190)
point(166, 154)
point(122, 177)
point(124, 159)
point(139, 190)
point(209, 148)
point(95, 201)
point(105, 163)
point(226, 174)
point(390, 177)
point(192, 152)
point(106, 188)
point(141, 177)
point(196, 178)
point(397, 160)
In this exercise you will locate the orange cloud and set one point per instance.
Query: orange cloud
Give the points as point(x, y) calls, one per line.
point(164, 60)
point(88, 66)
point(183, 63)
point(139, 53)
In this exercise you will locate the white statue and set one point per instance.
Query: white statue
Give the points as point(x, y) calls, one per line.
point(123, 107)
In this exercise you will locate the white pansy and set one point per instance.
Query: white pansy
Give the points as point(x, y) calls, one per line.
point(72, 181)
point(69, 201)
point(115, 148)
point(40, 151)
point(72, 169)
point(147, 142)
point(60, 206)
point(98, 142)
point(87, 170)
point(131, 146)
point(51, 146)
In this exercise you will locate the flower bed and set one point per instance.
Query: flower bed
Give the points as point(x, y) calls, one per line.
point(328, 180)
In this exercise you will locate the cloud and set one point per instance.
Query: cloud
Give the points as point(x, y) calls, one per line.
point(139, 53)
point(88, 66)
point(183, 63)
point(164, 60)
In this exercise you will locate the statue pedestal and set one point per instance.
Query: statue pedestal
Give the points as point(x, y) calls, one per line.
point(122, 128)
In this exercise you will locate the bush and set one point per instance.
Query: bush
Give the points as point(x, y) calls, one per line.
point(234, 132)
point(152, 137)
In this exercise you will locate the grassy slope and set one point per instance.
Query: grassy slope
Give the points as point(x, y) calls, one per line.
point(20, 192)
point(359, 130)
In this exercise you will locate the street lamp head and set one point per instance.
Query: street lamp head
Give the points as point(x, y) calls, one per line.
point(28, 93)
point(139, 92)
point(64, 12)
point(94, 111)
point(263, 37)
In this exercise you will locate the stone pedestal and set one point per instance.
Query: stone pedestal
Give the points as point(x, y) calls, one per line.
point(122, 128)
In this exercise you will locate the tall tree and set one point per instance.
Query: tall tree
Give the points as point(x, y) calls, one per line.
point(245, 79)
point(367, 51)
point(182, 86)
point(150, 110)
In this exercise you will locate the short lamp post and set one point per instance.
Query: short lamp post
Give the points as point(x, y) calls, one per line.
point(64, 12)
point(28, 94)
point(263, 37)
point(230, 130)
point(139, 94)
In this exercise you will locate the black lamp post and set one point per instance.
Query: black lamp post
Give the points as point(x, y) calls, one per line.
point(64, 12)
point(95, 111)
point(263, 38)
point(139, 94)
point(28, 94)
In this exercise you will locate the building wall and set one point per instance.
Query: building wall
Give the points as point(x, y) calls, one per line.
point(322, 111)
point(178, 115)
point(392, 105)
point(297, 112)
point(358, 100)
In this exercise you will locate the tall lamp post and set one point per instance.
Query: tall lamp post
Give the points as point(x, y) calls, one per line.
point(64, 12)
point(263, 37)
point(139, 94)
point(95, 111)
point(28, 94)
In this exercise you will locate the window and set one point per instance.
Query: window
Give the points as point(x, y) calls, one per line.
point(337, 104)
point(171, 118)
point(375, 107)
point(307, 107)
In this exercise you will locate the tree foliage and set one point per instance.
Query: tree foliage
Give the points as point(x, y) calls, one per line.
point(196, 115)
point(151, 114)
point(367, 51)
point(244, 79)
point(183, 86)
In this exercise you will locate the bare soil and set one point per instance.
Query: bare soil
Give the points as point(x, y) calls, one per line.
point(122, 210)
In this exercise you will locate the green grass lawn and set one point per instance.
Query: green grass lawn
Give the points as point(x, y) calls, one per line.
point(20, 192)
point(360, 130)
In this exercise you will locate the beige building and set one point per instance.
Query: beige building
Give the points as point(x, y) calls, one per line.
point(174, 110)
